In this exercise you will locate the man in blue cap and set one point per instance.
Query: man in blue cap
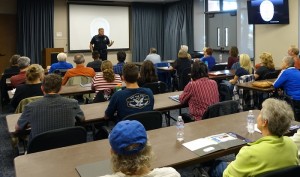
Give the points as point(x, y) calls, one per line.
point(132, 153)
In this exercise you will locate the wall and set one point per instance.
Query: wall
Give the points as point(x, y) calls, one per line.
point(276, 39)
point(8, 6)
point(61, 26)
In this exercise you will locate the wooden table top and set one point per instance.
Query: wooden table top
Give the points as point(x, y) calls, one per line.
point(168, 152)
point(222, 74)
point(249, 86)
point(95, 112)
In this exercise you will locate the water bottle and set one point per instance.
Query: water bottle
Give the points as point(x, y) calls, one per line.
point(180, 129)
point(250, 122)
point(220, 58)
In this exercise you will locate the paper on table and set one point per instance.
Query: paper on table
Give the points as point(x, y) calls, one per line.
point(256, 129)
point(223, 137)
point(199, 143)
point(175, 98)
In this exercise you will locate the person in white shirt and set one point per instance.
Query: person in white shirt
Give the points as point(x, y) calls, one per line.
point(153, 56)
point(296, 139)
point(132, 153)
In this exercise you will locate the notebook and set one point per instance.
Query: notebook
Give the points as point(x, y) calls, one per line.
point(95, 169)
point(175, 98)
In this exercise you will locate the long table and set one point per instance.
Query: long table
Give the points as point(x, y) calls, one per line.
point(168, 152)
point(249, 86)
point(95, 112)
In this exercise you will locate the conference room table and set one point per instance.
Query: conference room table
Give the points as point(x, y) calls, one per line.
point(168, 152)
point(249, 86)
point(139, 63)
point(95, 112)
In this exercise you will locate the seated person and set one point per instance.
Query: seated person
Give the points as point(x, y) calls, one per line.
point(294, 52)
point(147, 73)
point(50, 112)
point(153, 56)
point(245, 69)
point(121, 56)
point(61, 64)
point(14, 68)
point(34, 76)
point(233, 56)
point(211, 61)
point(271, 152)
point(266, 66)
point(288, 80)
point(131, 100)
point(79, 70)
point(23, 63)
point(182, 62)
point(186, 49)
point(96, 64)
point(201, 92)
point(131, 152)
point(106, 80)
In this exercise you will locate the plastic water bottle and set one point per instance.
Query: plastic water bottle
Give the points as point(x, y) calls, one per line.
point(250, 122)
point(220, 58)
point(180, 129)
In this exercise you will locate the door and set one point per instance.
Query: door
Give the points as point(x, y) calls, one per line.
point(8, 37)
point(221, 33)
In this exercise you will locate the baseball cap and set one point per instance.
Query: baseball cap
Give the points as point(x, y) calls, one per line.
point(126, 133)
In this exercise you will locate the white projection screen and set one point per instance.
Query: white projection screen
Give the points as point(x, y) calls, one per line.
point(84, 21)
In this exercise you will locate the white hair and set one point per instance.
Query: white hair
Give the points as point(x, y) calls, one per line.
point(62, 57)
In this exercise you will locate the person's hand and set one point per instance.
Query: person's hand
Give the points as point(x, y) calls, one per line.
point(111, 42)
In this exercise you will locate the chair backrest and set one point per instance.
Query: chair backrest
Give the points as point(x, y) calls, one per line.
point(77, 80)
point(221, 109)
point(293, 171)
point(271, 75)
point(60, 72)
point(57, 138)
point(225, 92)
point(218, 67)
point(25, 101)
point(157, 87)
point(184, 78)
point(150, 119)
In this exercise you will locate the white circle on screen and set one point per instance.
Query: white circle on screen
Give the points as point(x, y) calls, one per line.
point(266, 10)
point(99, 23)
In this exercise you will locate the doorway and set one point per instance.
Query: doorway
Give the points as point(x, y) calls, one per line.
point(221, 32)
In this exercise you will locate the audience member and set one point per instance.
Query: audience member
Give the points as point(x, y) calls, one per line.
point(50, 112)
point(106, 80)
point(61, 64)
point(34, 76)
point(79, 70)
point(23, 63)
point(96, 64)
point(266, 66)
point(211, 61)
point(271, 152)
point(233, 58)
point(14, 68)
point(153, 56)
point(147, 73)
point(201, 92)
point(131, 100)
point(294, 52)
point(121, 56)
point(186, 49)
point(131, 152)
point(288, 80)
point(182, 62)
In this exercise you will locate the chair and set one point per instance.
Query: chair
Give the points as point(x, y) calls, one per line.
point(225, 92)
point(57, 138)
point(4, 88)
point(60, 72)
point(245, 98)
point(184, 78)
point(218, 67)
point(163, 75)
point(293, 171)
point(271, 75)
point(157, 87)
point(150, 119)
point(24, 102)
point(77, 80)
point(221, 109)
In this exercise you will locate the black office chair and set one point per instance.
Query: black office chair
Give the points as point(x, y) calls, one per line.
point(271, 75)
point(221, 109)
point(157, 87)
point(4, 88)
point(293, 171)
point(225, 92)
point(150, 119)
point(184, 78)
point(218, 67)
point(57, 138)
point(60, 72)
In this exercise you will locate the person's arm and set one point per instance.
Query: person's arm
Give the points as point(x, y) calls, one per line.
point(234, 80)
point(186, 94)
point(65, 78)
point(91, 47)
point(280, 80)
point(112, 107)
point(111, 43)
point(79, 115)
point(24, 120)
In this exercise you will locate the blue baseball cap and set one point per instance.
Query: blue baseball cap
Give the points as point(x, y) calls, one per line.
point(126, 133)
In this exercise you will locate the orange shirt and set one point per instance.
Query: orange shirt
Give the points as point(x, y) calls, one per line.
point(80, 70)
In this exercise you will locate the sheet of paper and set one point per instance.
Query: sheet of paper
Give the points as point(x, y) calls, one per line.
point(199, 143)
point(223, 137)
point(175, 98)
point(256, 129)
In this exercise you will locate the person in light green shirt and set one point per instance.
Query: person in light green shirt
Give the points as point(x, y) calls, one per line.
point(272, 151)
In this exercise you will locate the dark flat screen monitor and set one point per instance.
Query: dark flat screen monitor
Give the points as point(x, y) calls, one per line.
point(268, 11)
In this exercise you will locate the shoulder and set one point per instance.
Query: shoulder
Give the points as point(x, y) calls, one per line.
point(165, 171)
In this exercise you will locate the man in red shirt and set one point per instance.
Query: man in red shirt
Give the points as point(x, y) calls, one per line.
point(23, 63)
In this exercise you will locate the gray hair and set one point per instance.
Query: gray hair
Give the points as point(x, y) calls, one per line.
point(14, 59)
point(129, 164)
point(279, 115)
point(289, 61)
point(79, 58)
point(23, 62)
point(62, 57)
